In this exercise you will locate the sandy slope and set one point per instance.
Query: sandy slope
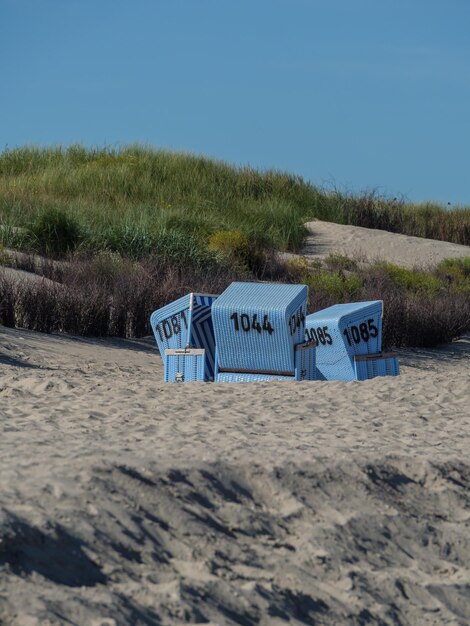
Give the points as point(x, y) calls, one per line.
point(368, 244)
point(127, 501)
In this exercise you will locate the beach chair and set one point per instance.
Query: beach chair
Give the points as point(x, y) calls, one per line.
point(182, 329)
point(349, 342)
point(259, 333)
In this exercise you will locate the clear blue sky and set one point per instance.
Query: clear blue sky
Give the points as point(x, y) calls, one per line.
point(353, 93)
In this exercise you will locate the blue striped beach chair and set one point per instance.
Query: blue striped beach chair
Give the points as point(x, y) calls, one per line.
point(259, 332)
point(180, 327)
point(349, 342)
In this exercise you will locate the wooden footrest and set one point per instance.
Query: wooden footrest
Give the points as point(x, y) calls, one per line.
point(184, 365)
point(372, 365)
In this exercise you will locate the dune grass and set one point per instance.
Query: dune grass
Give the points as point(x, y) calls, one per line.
point(136, 200)
point(128, 200)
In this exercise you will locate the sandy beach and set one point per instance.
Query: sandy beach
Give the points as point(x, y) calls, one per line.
point(128, 501)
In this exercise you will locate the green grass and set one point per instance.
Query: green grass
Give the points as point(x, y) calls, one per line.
point(341, 287)
point(110, 192)
point(137, 201)
point(411, 280)
point(455, 273)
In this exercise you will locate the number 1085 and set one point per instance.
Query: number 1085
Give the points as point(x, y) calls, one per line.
point(363, 332)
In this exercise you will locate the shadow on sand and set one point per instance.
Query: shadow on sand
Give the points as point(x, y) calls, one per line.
point(446, 354)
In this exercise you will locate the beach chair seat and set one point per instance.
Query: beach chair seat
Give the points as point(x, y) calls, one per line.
point(304, 369)
point(187, 323)
point(184, 365)
point(343, 332)
point(259, 333)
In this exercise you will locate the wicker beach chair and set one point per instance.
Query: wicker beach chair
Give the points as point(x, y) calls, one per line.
point(185, 337)
point(259, 332)
point(349, 342)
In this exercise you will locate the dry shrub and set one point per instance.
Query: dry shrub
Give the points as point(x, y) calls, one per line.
point(108, 295)
point(420, 319)
point(102, 297)
point(424, 321)
point(417, 319)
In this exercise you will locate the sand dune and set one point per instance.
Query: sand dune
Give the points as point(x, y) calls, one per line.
point(128, 501)
point(369, 244)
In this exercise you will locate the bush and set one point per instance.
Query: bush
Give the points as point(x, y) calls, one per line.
point(183, 251)
point(413, 281)
point(455, 274)
point(299, 268)
point(423, 321)
point(335, 285)
point(230, 245)
point(454, 270)
point(340, 262)
point(137, 241)
point(54, 232)
point(104, 295)
point(421, 318)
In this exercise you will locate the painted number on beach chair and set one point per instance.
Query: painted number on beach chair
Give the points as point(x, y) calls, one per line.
point(171, 326)
point(246, 323)
point(296, 321)
point(319, 336)
point(362, 332)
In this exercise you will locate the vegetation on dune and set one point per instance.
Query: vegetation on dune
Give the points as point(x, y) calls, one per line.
point(135, 228)
point(107, 294)
point(422, 308)
point(127, 200)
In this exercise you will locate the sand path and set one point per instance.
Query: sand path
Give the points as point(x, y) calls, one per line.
point(368, 244)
